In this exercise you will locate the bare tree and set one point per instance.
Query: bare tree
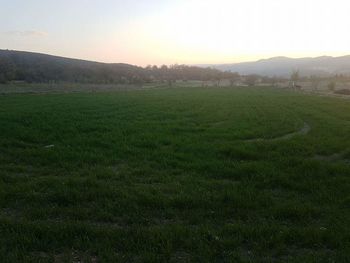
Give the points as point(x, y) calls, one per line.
point(315, 82)
point(273, 81)
point(331, 86)
point(294, 78)
point(251, 80)
point(233, 78)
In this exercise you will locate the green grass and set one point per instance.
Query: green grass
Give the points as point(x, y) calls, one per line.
point(171, 176)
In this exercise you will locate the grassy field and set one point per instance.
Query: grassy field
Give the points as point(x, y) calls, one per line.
point(175, 175)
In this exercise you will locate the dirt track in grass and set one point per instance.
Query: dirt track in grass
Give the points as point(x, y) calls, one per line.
point(303, 131)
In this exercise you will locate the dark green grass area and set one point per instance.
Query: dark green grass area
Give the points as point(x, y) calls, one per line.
point(173, 176)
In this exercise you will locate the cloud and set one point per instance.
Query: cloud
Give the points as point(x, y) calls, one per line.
point(26, 33)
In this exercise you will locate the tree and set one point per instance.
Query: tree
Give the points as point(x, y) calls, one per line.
point(294, 77)
point(331, 86)
point(251, 80)
point(233, 78)
point(273, 81)
point(315, 82)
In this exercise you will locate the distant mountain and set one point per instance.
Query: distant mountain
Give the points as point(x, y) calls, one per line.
point(283, 66)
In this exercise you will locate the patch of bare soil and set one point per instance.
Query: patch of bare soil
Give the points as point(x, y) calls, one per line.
point(74, 257)
point(342, 92)
point(328, 94)
point(303, 131)
point(180, 256)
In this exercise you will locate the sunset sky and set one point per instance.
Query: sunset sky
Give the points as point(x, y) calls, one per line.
point(176, 31)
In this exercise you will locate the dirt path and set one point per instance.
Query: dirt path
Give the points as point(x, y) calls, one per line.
point(303, 131)
point(333, 157)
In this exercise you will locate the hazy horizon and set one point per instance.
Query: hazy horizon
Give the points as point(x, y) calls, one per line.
point(169, 32)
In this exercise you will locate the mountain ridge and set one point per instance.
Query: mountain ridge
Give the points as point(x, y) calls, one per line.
point(282, 66)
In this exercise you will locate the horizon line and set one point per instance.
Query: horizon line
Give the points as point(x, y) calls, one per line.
point(188, 64)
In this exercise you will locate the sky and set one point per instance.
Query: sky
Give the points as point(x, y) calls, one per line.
point(144, 32)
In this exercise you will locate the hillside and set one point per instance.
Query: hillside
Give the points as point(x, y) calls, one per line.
point(283, 66)
point(35, 67)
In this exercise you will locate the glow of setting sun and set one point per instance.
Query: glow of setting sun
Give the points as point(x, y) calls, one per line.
point(192, 31)
point(225, 31)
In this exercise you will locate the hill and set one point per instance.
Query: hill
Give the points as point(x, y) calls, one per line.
point(283, 66)
point(35, 67)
